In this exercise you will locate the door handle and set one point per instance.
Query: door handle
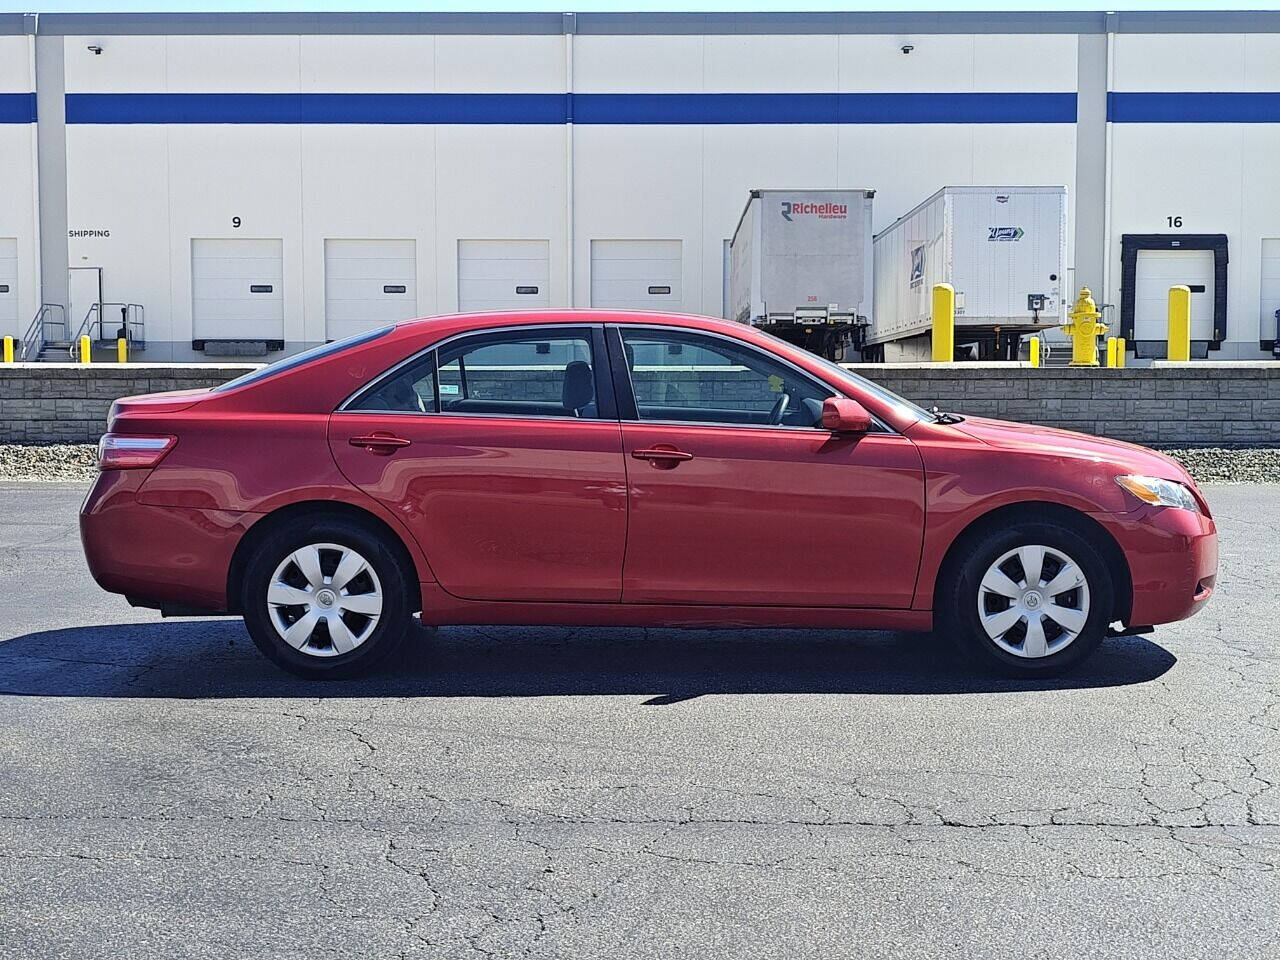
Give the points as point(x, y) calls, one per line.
point(663, 458)
point(382, 444)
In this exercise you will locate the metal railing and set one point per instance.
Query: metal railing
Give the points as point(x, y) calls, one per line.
point(49, 319)
point(105, 323)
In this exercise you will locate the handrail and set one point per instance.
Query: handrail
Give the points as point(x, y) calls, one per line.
point(37, 334)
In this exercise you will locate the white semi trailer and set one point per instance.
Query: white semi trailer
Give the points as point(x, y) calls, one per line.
point(1003, 249)
point(800, 267)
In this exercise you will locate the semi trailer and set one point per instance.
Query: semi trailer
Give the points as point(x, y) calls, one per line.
point(800, 267)
point(1003, 249)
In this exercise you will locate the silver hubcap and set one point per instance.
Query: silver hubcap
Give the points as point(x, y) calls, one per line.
point(324, 599)
point(1033, 601)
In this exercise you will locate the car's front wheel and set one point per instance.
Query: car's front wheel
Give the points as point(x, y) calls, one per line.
point(1032, 599)
point(327, 598)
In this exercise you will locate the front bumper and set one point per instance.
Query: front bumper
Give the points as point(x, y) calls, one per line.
point(164, 556)
point(1173, 561)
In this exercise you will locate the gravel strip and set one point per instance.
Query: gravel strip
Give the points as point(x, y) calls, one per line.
point(56, 462)
point(1230, 464)
point(75, 462)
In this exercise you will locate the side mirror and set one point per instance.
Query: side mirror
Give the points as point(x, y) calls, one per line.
point(842, 415)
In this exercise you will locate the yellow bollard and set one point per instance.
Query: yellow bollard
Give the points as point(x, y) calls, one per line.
point(1180, 323)
point(1111, 352)
point(1035, 351)
point(1084, 327)
point(8, 349)
point(122, 350)
point(86, 353)
point(1120, 352)
point(944, 323)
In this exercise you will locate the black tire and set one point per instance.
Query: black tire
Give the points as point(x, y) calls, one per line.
point(390, 627)
point(959, 598)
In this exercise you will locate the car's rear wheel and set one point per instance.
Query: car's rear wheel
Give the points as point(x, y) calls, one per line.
point(327, 598)
point(1032, 599)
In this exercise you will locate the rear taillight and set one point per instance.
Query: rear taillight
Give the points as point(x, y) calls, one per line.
point(121, 451)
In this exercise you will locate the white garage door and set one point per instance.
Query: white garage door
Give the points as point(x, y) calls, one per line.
point(503, 274)
point(9, 288)
point(1156, 272)
point(636, 274)
point(1270, 288)
point(367, 284)
point(237, 290)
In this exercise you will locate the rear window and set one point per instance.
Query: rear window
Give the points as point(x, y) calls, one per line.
point(305, 357)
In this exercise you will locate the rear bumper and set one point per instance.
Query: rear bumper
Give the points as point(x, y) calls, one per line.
point(1173, 561)
point(159, 556)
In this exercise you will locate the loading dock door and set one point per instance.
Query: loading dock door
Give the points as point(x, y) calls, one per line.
point(9, 288)
point(503, 274)
point(1270, 301)
point(636, 274)
point(237, 289)
point(367, 284)
point(1157, 271)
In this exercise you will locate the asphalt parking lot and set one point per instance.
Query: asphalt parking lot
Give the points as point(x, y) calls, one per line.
point(165, 791)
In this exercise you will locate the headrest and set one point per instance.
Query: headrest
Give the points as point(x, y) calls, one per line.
point(579, 385)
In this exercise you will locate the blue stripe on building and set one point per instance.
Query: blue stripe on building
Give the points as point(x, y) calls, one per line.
point(315, 108)
point(640, 108)
point(1193, 107)
point(17, 108)
point(555, 108)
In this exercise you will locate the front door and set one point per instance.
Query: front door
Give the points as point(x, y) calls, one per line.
point(502, 453)
point(738, 497)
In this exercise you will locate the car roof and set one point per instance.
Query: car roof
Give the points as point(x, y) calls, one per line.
point(572, 316)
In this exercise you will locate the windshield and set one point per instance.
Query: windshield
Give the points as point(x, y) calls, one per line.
point(306, 356)
point(905, 407)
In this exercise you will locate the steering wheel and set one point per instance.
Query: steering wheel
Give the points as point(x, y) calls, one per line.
point(779, 408)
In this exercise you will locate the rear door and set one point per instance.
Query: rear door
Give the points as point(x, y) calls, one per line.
point(502, 453)
point(739, 497)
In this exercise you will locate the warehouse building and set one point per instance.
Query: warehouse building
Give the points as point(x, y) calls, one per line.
point(228, 184)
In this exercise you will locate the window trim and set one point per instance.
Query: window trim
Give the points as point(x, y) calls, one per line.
point(629, 413)
point(605, 399)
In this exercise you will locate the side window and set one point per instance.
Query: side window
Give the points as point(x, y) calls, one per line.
point(412, 390)
point(515, 373)
point(520, 373)
point(699, 379)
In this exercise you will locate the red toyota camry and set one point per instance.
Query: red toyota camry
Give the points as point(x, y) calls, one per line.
point(588, 467)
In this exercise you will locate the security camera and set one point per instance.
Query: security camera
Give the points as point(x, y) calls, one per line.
point(95, 49)
point(907, 48)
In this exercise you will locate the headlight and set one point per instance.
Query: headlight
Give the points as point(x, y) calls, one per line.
point(1157, 492)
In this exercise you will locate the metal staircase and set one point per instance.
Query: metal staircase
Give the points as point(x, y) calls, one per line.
point(46, 337)
point(49, 340)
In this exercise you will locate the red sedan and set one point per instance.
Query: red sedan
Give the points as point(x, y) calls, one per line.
point(586, 467)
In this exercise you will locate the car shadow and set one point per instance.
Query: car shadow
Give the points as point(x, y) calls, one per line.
point(194, 659)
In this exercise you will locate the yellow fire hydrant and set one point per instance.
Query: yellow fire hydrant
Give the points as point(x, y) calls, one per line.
point(1084, 329)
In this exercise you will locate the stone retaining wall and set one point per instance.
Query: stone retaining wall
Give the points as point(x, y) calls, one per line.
point(68, 403)
point(1201, 404)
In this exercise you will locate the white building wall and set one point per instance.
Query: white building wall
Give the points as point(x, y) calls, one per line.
point(18, 213)
point(692, 181)
point(1218, 177)
point(155, 187)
